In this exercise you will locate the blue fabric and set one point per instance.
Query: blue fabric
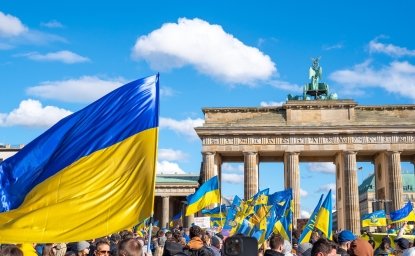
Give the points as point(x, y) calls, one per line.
point(402, 213)
point(72, 138)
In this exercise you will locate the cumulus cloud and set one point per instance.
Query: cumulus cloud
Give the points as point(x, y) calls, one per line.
point(52, 24)
point(239, 168)
point(32, 113)
point(169, 154)
point(166, 167)
point(322, 167)
point(303, 193)
point(206, 47)
point(326, 187)
point(184, 127)
point(286, 86)
point(271, 103)
point(11, 26)
point(389, 49)
point(67, 57)
point(397, 78)
point(84, 89)
point(304, 214)
point(232, 178)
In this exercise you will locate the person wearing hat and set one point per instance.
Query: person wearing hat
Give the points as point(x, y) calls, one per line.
point(360, 247)
point(401, 244)
point(345, 238)
point(304, 249)
point(384, 248)
point(82, 248)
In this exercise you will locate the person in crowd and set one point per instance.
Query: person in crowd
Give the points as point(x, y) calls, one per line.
point(401, 244)
point(216, 245)
point(11, 250)
point(372, 243)
point(114, 240)
point(196, 245)
point(344, 239)
point(173, 244)
point(82, 248)
point(60, 249)
point(48, 250)
point(304, 249)
point(186, 234)
point(287, 248)
point(294, 243)
point(276, 244)
point(323, 247)
point(206, 239)
point(384, 248)
point(102, 248)
point(360, 247)
point(130, 247)
point(314, 237)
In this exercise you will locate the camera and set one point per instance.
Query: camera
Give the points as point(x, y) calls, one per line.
point(240, 245)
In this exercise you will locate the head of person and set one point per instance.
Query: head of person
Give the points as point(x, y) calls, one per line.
point(323, 247)
point(304, 249)
point(82, 247)
point(360, 247)
point(11, 250)
point(48, 250)
point(216, 242)
point(102, 248)
point(195, 231)
point(386, 243)
point(294, 243)
point(401, 244)
point(345, 238)
point(276, 242)
point(130, 247)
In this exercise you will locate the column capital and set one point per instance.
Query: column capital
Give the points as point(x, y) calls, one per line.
point(394, 152)
point(208, 153)
point(250, 152)
point(349, 152)
point(291, 152)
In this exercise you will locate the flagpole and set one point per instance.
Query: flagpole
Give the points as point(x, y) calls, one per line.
point(149, 233)
point(220, 200)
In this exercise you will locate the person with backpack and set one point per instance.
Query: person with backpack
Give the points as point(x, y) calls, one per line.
point(196, 247)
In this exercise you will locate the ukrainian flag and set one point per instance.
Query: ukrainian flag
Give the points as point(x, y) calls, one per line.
point(175, 218)
point(90, 175)
point(374, 219)
point(206, 195)
point(308, 229)
point(404, 214)
point(324, 218)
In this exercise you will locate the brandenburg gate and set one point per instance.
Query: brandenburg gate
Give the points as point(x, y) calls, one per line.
point(338, 131)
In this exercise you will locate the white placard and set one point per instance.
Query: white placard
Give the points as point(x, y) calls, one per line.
point(203, 222)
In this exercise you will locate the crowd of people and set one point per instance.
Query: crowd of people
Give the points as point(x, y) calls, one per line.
point(196, 241)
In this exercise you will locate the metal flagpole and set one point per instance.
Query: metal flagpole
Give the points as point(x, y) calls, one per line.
point(220, 200)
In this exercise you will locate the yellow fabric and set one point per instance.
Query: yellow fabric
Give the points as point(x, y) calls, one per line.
point(109, 190)
point(209, 198)
point(279, 229)
point(27, 249)
point(379, 222)
point(410, 217)
point(322, 222)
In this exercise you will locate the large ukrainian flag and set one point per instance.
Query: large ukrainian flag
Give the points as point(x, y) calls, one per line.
point(324, 220)
point(90, 175)
point(406, 213)
point(206, 195)
point(374, 219)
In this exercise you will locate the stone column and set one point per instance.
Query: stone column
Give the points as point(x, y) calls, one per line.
point(395, 180)
point(351, 193)
point(251, 174)
point(292, 180)
point(338, 161)
point(208, 165)
point(189, 220)
point(166, 212)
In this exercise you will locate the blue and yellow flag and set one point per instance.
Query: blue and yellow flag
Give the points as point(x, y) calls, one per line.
point(175, 218)
point(374, 219)
point(308, 229)
point(206, 195)
point(230, 215)
point(283, 226)
point(324, 220)
point(404, 214)
point(89, 175)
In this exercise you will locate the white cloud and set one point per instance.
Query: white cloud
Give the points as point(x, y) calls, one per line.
point(84, 89)
point(326, 187)
point(271, 103)
point(32, 113)
point(171, 154)
point(232, 178)
point(184, 127)
point(238, 168)
point(303, 193)
point(333, 46)
point(67, 57)
point(304, 214)
point(52, 24)
point(166, 167)
point(286, 86)
point(207, 47)
point(397, 78)
point(321, 167)
point(10, 25)
point(167, 91)
point(392, 50)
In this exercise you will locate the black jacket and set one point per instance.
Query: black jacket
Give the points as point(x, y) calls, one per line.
point(273, 253)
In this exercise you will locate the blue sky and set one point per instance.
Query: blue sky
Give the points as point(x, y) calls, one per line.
point(58, 56)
